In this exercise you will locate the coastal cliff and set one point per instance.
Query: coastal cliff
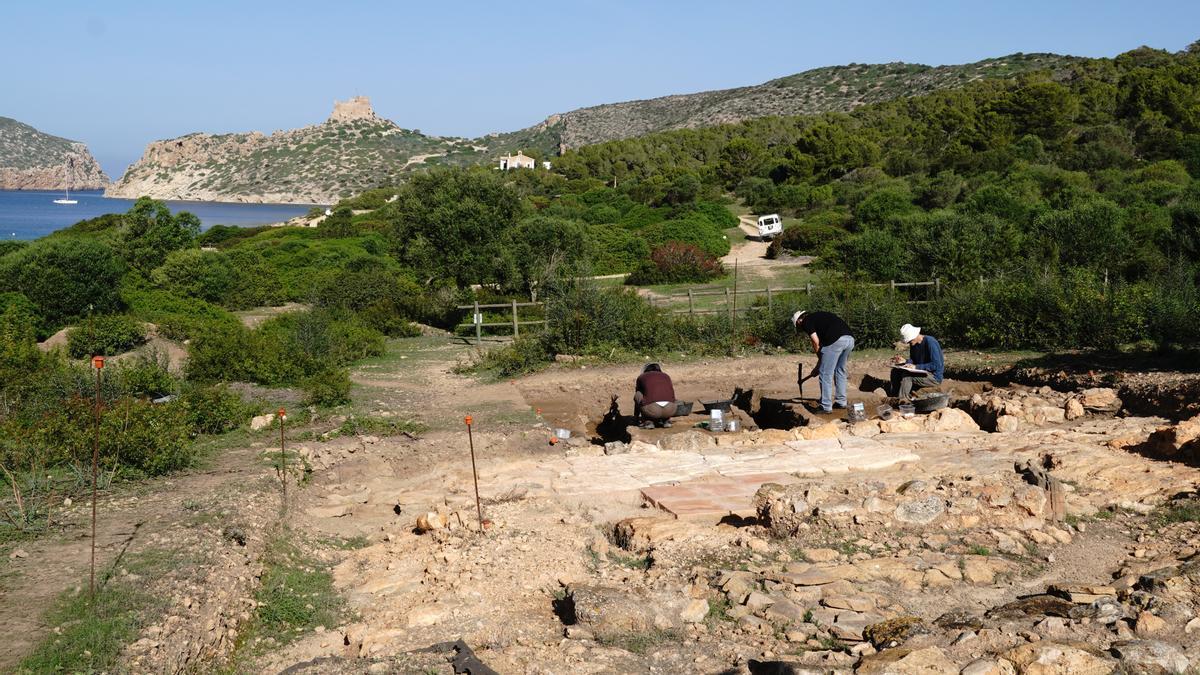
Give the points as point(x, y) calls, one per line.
point(33, 160)
point(352, 151)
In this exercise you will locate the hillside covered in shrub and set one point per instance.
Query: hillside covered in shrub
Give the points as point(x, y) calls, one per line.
point(1073, 194)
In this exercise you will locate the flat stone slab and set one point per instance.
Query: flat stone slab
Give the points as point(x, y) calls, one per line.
point(743, 474)
point(715, 483)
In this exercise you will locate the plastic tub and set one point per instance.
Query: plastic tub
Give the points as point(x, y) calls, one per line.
point(884, 411)
point(907, 410)
point(931, 402)
point(723, 406)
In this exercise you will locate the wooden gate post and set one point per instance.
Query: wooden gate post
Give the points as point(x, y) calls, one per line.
point(478, 325)
point(516, 324)
point(691, 305)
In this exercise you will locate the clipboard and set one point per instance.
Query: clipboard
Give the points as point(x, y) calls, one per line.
point(909, 369)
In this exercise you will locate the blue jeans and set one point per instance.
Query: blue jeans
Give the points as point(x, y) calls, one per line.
point(833, 362)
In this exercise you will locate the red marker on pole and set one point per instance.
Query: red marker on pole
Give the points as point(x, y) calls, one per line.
point(474, 472)
point(98, 364)
point(282, 455)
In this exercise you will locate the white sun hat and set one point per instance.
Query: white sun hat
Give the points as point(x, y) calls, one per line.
point(909, 332)
point(798, 315)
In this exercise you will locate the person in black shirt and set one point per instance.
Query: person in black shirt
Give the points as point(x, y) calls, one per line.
point(832, 343)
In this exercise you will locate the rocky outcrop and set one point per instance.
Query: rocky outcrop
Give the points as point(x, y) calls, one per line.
point(32, 160)
point(352, 151)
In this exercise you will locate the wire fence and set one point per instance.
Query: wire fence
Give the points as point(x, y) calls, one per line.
point(707, 300)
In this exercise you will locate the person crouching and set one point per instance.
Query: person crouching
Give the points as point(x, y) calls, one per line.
point(653, 397)
point(925, 354)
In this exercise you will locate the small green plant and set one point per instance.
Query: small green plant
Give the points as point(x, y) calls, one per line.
point(718, 610)
point(633, 562)
point(378, 426)
point(643, 642)
point(347, 543)
point(1180, 511)
point(979, 550)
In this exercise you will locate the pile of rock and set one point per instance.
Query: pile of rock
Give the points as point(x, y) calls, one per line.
point(1009, 410)
point(986, 501)
point(1179, 442)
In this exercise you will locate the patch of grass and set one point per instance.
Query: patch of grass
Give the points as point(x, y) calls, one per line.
point(346, 543)
point(633, 562)
point(832, 644)
point(1181, 511)
point(718, 611)
point(377, 426)
point(296, 595)
point(642, 643)
point(89, 637)
point(979, 550)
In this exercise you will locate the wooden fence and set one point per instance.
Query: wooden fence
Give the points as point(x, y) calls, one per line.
point(732, 297)
point(515, 322)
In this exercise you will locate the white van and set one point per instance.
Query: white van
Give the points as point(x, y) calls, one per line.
point(770, 226)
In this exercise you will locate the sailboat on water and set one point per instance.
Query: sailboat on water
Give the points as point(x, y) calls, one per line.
point(67, 199)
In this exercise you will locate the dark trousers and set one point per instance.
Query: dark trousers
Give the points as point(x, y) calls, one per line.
point(903, 385)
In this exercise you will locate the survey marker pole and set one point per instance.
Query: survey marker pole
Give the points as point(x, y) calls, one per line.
point(474, 472)
point(282, 455)
point(98, 364)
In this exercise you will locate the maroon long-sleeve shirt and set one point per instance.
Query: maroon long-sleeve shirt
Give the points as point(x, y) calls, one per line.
point(655, 386)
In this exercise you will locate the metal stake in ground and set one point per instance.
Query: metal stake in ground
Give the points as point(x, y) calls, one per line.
point(282, 455)
point(98, 364)
point(474, 473)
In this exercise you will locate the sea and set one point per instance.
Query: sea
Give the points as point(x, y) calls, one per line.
point(29, 214)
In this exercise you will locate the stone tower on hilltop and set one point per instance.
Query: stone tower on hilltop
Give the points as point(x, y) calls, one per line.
point(357, 108)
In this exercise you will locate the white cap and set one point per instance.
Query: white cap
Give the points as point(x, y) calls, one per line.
point(797, 316)
point(909, 332)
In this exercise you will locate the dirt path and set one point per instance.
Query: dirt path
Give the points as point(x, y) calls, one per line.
point(752, 251)
point(132, 518)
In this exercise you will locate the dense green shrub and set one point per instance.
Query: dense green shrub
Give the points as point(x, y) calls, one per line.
point(674, 263)
point(235, 280)
point(145, 375)
point(216, 409)
point(177, 318)
point(283, 351)
point(64, 278)
point(370, 199)
point(446, 224)
point(616, 249)
point(328, 388)
point(524, 355)
point(151, 231)
point(806, 238)
point(692, 229)
point(106, 335)
point(139, 437)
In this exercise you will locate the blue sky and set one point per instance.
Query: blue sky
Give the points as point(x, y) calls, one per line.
point(117, 75)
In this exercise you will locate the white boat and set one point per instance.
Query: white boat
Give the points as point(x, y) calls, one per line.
point(67, 199)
